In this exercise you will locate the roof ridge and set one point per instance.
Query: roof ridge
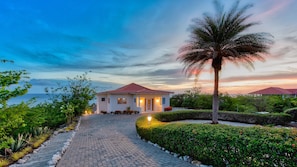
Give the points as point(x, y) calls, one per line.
point(133, 84)
point(272, 90)
point(133, 87)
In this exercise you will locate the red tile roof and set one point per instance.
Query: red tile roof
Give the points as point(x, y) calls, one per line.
point(134, 89)
point(275, 91)
point(294, 91)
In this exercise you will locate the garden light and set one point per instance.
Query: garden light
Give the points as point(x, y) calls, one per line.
point(149, 118)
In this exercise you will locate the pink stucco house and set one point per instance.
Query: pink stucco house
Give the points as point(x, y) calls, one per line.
point(135, 97)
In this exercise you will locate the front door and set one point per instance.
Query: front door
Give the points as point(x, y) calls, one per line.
point(149, 105)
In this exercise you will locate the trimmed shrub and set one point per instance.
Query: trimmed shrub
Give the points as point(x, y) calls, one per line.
point(182, 115)
point(222, 145)
point(252, 118)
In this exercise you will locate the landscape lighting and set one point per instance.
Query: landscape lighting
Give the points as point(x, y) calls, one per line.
point(149, 118)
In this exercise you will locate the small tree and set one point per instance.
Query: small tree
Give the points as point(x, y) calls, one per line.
point(10, 84)
point(78, 92)
point(11, 118)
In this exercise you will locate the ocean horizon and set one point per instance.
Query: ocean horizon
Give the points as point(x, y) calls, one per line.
point(39, 98)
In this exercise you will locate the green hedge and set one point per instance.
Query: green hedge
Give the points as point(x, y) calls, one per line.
point(252, 118)
point(219, 145)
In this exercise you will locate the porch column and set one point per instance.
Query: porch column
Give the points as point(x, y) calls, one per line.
point(137, 101)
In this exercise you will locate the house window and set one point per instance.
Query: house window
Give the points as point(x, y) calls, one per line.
point(134, 100)
point(108, 100)
point(163, 100)
point(102, 99)
point(122, 100)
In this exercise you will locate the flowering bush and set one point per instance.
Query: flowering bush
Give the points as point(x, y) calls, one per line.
point(169, 108)
point(68, 110)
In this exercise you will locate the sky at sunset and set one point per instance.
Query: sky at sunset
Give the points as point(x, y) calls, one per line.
point(123, 41)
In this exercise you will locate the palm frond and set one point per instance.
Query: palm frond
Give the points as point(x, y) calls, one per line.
point(218, 39)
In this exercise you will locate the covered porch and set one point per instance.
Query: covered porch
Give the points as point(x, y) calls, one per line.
point(149, 103)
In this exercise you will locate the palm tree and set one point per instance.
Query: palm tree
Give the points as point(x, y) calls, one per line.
point(219, 39)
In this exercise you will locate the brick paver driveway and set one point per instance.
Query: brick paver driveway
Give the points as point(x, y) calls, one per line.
point(111, 141)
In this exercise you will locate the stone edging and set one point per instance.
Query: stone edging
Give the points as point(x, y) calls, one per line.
point(56, 157)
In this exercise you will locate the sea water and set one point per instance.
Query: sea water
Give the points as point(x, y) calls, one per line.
point(38, 98)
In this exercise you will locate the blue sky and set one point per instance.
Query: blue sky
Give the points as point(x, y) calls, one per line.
point(124, 41)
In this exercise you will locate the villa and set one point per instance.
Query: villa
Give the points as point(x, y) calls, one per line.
point(133, 97)
point(275, 91)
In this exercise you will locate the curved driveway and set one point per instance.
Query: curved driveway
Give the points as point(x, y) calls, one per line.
point(111, 141)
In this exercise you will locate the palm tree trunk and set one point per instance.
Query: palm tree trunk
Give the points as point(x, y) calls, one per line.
point(215, 98)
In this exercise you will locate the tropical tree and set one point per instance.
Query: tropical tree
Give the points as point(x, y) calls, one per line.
point(217, 39)
point(12, 84)
point(78, 92)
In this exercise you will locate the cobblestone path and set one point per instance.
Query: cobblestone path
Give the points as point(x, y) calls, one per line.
point(111, 141)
